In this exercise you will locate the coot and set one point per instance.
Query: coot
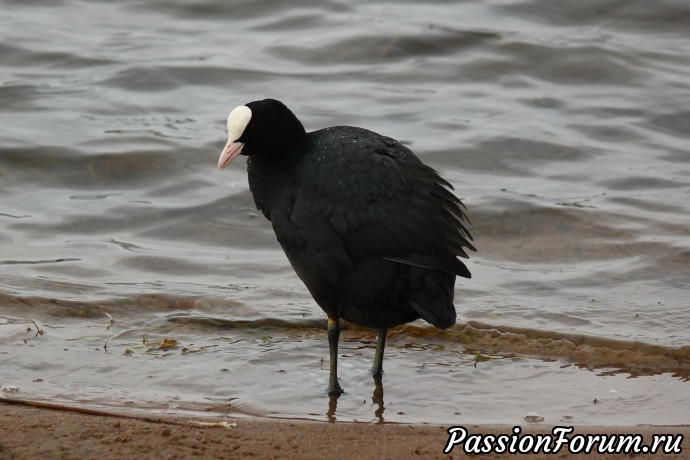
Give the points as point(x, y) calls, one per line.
point(373, 233)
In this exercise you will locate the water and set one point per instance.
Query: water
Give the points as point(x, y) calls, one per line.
point(563, 125)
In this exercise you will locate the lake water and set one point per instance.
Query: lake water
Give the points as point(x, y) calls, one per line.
point(564, 126)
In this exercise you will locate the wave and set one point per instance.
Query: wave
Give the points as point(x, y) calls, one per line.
point(485, 340)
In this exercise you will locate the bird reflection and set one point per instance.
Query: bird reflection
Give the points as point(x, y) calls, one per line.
point(376, 398)
point(332, 406)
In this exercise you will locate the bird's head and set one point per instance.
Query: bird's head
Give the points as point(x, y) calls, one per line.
point(261, 128)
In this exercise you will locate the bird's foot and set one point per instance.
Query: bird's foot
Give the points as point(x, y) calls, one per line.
point(376, 370)
point(377, 375)
point(335, 390)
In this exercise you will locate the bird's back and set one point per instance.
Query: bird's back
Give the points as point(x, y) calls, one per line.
point(373, 233)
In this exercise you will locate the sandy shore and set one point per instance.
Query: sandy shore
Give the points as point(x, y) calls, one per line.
point(30, 432)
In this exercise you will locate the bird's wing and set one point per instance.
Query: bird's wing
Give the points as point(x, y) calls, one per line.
point(392, 206)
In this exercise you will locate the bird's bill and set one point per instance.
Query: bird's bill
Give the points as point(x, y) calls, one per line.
point(231, 150)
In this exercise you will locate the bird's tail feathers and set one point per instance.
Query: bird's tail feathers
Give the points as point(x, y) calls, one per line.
point(441, 318)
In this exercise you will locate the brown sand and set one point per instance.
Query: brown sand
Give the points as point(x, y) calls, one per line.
point(30, 432)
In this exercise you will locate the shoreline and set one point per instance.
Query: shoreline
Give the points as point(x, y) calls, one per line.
point(38, 430)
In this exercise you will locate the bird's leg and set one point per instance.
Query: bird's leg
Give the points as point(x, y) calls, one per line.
point(377, 368)
point(333, 336)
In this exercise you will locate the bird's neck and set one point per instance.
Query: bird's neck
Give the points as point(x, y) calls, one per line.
point(268, 177)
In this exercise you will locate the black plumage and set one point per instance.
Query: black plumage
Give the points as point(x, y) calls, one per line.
point(373, 233)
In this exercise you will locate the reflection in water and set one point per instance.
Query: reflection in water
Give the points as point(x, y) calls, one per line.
point(332, 406)
point(377, 399)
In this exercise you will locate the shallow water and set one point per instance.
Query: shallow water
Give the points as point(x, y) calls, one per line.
point(563, 125)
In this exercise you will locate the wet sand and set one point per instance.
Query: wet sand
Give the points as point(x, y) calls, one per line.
point(30, 432)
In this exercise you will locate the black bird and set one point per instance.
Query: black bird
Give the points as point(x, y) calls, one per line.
point(373, 233)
